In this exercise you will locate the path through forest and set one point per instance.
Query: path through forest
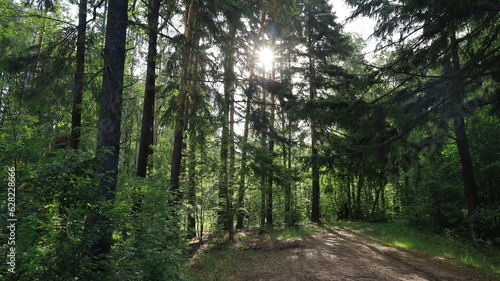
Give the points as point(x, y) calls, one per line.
point(341, 254)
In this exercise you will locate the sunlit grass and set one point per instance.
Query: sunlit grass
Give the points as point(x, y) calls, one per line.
point(482, 257)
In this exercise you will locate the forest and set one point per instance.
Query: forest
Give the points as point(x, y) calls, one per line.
point(131, 127)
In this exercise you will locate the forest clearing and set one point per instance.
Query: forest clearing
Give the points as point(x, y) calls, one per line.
point(328, 253)
point(128, 128)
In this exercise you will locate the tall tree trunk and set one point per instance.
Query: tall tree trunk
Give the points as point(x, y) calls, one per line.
point(232, 148)
point(263, 181)
point(243, 170)
point(269, 209)
point(287, 150)
point(146, 142)
point(187, 71)
point(315, 200)
point(108, 139)
point(287, 186)
point(244, 155)
point(79, 82)
point(287, 162)
point(459, 127)
point(225, 186)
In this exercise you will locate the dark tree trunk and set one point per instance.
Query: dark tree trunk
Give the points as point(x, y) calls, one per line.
point(176, 162)
point(145, 146)
point(185, 85)
point(108, 139)
point(470, 188)
point(76, 114)
point(459, 126)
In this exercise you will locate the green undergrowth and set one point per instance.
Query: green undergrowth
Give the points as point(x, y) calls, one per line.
point(295, 232)
point(480, 256)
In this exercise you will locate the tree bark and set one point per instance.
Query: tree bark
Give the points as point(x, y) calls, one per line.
point(146, 142)
point(79, 82)
point(459, 126)
point(108, 139)
point(187, 75)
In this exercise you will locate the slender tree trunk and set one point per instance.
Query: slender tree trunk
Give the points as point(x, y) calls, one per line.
point(288, 183)
point(110, 119)
point(241, 189)
point(146, 142)
point(349, 197)
point(287, 151)
point(378, 191)
point(357, 211)
point(38, 55)
point(225, 198)
point(232, 149)
point(315, 207)
point(263, 181)
point(269, 209)
point(76, 114)
point(191, 193)
point(243, 171)
point(187, 71)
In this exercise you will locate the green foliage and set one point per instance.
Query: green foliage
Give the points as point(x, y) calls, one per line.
point(52, 207)
point(148, 241)
point(54, 233)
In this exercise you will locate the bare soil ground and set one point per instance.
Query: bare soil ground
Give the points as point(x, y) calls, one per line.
point(341, 254)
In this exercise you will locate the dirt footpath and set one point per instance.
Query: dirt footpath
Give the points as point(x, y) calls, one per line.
point(343, 255)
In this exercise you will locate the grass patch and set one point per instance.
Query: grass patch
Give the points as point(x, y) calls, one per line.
point(482, 257)
point(296, 232)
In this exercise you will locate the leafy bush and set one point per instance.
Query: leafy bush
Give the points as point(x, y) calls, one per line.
point(56, 212)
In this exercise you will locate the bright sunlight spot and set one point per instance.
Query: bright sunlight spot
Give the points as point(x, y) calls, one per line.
point(266, 58)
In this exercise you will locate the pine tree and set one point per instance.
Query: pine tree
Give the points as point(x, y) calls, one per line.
point(187, 77)
point(443, 34)
point(76, 120)
point(147, 129)
point(323, 41)
point(108, 140)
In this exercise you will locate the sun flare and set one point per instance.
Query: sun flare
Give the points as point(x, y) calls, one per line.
point(266, 57)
